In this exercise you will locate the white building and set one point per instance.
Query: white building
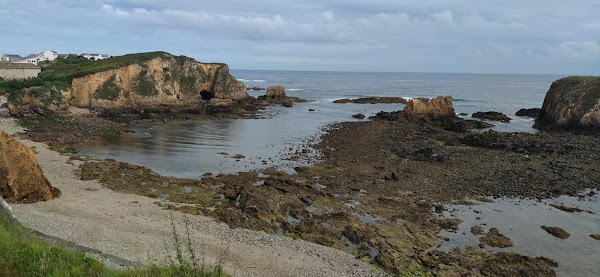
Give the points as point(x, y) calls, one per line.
point(95, 57)
point(47, 56)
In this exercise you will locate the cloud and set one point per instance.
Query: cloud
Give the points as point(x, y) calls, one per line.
point(576, 51)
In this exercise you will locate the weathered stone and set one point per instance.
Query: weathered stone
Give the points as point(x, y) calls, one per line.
point(572, 103)
point(491, 116)
point(275, 92)
point(535, 112)
point(21, 177)
point(494, 239)
point(557, 232)
point(435, 108)
point(359, 116)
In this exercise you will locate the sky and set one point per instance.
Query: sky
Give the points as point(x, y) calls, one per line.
point(462, 36)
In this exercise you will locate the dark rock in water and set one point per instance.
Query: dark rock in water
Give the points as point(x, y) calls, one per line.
point(311, 110)
point(492, 116)
point(595, 236)
point(571, 104)
point(463, 114)
point(494, 239)
point(275, 92)
point(359, 116)
point(373, 100)
point(256, 89)
point(476, 230)
point(449, 224)
point(529, 112)
point(557, 232)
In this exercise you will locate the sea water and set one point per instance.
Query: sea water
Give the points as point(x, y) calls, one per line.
point(191, 148)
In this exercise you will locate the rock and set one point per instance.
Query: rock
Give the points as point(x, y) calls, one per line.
point(557, 232)
point(21, 177)
point(571, 103)
point(373, 100)
point(5, 207)
point(566, 208)
point(449, 224)
point(436, 108)
point(595, 236)
point(529, 112)
point(476, 230)
point(256, 88)
point(275, 92)
point(491, 116)
point(494, 239)
point(359, 116)
point(311, 110)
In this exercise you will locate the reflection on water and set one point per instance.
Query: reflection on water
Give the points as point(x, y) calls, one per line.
point(189, 149)
point(521, 221)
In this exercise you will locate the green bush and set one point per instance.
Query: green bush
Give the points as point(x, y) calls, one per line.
point(108, 90)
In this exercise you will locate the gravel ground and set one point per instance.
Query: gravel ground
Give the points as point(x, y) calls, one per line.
point(134, 228)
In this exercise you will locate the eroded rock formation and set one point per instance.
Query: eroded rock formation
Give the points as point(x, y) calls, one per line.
point(164, 80)
point(21, 177)
point(572, 103)
point(438, 112)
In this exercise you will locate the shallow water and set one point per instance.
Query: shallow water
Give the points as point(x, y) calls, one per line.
point(190, 149)
point(521, 221)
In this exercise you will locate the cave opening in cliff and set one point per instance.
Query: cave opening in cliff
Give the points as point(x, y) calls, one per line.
point(207, 95)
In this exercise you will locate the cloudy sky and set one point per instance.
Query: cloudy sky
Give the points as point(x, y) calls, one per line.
point(492, 36)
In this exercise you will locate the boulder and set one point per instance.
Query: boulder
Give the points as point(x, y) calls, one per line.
point(275, 92)
point(491, 116)
point(358, 116)
point(557, 232)
point(535, 112)
point(437, 112)
point(21, 177)
point(571, 104)
point(436, 108)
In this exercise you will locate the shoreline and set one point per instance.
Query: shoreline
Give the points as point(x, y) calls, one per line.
point(134, 228)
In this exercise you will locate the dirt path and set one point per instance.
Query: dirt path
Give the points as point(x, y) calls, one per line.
point(134, 228)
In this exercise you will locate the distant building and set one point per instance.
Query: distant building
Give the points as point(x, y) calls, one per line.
point(11, 71)
point(12, 58)
point(95, 57)
point(47, 56)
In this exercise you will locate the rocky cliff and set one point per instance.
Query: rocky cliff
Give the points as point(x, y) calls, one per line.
point(572, 103)
point(21, 177)
point(163, 80)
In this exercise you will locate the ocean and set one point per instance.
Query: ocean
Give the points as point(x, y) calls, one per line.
point(191, 148)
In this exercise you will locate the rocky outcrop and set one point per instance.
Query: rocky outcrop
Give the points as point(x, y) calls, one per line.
point(491, 116)
point(557, 232)
point(438, 112)
point(534, 112)
point(276, 94)
point(21, 177)
point(435, 108)
point(572, 103)
point(494, 239)
point(164, 80)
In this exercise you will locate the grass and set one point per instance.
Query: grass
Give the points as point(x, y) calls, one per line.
point(23, 254)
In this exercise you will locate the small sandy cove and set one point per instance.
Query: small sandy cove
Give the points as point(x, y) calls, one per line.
point(132, 227)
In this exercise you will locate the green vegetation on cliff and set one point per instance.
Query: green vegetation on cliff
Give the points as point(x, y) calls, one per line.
point(108, 91)
point(23, 254)
point(65, 71)
point(144, 84)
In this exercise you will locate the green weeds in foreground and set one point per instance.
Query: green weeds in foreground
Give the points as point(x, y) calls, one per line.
point(23, 254)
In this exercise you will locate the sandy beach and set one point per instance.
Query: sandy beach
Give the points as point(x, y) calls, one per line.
point(135, 229)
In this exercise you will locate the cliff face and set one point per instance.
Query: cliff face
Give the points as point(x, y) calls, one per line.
point(21, 177)
point(572, 103)
point(164, 80)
